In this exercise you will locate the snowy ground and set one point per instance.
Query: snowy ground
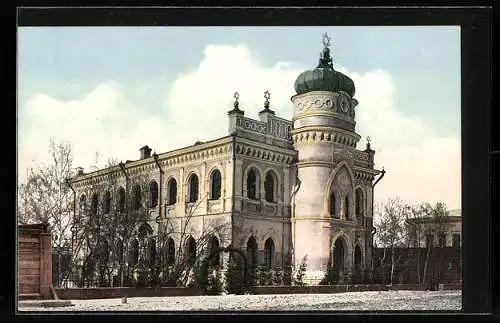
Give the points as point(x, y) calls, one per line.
point(356, 301)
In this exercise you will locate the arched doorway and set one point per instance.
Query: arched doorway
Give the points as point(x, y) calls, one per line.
point(238, 264)
point(357, 256)
point(339, 253)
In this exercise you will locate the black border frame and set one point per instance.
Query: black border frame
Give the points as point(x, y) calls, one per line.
point(476, 32)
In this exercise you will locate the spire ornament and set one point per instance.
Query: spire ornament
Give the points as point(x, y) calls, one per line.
point(326, 40)
point(325, 60)
point(267, 96)
point(236, 104)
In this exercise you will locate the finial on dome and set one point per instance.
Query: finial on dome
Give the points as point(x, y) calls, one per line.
point(326, 40)
point(325, 61)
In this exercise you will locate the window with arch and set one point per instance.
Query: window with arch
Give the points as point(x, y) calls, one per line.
point(94, 202)
point(170, 252)
point(191, 251)
point(83, 204)
point(119, 251)
point(215, 185)
point(252, 184)
point(270, 185)
point(106, 203)
point(193, 188)
point(151, 251)
point(121, 199)
point(252, 249)
point(134, 252)
point(346, 208)
point(333, 205)
point(269, 253)
point(172, 191)
point(213, 245)
point(137, 198)
point(359, 202)
point(153, 194)
point(104, 251)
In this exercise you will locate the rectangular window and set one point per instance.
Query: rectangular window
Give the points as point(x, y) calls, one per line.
point(456, 240)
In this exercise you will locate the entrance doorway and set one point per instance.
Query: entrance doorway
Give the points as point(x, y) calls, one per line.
point(339, 257)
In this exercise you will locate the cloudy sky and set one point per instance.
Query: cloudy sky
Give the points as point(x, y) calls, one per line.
point(112, 90)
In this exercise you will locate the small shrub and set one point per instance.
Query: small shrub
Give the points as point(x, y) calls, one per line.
point(331, 275)
point(234, 276)
point(278, 276)
point(357, 275)
point(299, 278)
point(287, 275)
point(215, 284)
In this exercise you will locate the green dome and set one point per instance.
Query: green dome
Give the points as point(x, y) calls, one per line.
point(324, 78)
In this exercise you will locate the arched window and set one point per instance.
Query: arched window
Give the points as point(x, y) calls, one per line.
point(119, 251)
point(213, 245)
point(172, 191)
point(252, 184)
point(153, 194)
point(359, 202)
point(134, 252)
point(152, 251)
point(269, 253)
point(137, 199)
point(346, 208)
point(333, 205)
point(270, 187)
point(104, 251)
point(93, 204)
point(215, 185)
point(121, 199)
point(106, 205)
point(191, 251)
point(359, 206)
point(170, 252)
point(83, 204)
point(193, 188)
point(252, 249)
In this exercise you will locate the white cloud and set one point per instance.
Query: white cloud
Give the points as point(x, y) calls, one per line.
point(420, 165)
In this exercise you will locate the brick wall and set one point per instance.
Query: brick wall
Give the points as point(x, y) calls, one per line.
point(332, 289)
point(444, 265)
point(118, 292)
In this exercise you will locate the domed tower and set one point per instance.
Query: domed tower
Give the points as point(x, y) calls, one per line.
point(329, 226)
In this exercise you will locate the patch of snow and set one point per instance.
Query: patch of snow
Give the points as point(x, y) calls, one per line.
point(354, 301)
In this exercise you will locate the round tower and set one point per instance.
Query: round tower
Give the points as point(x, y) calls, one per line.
point(325, 138)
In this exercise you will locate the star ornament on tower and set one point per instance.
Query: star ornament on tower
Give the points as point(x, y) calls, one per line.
point(267, 95)
point(326, 40)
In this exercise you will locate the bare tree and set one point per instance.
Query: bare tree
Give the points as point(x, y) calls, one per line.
point(183, 228)
point(46, 198)
point(390, 228)
point(430, 222)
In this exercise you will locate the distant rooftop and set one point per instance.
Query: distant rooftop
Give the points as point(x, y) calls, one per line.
point(457, 212)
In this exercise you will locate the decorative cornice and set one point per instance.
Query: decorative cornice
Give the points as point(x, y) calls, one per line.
point(264, 154)
point(205, 151)
point(324, 134)
point(338, 104)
